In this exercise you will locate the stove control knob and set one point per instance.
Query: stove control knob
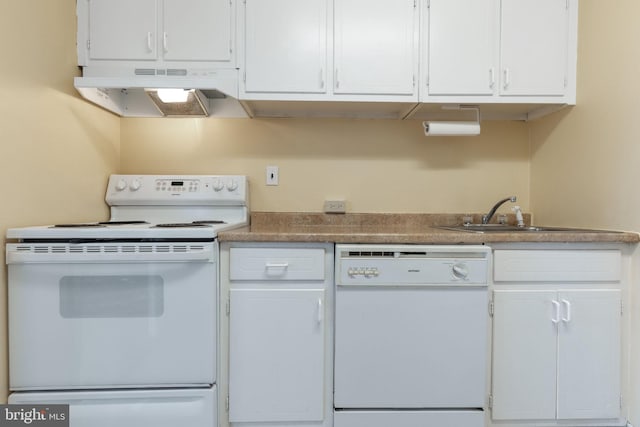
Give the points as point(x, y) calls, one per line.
point(232, 185)
point(460, 271)
point(135, 185)
point(121, 185)
point(217, 185)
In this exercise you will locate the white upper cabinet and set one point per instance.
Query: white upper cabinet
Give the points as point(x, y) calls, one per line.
point(499, 51)
point(197, 30)
point(375, 47)
point(285, 46)
point(123, 29)
point(533, 47)
point(357, 50)
point(462, 47)
point(117, 31)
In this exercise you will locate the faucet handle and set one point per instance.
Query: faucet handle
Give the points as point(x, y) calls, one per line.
point(519, 217)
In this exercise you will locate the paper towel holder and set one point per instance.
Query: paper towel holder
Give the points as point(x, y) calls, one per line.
point(459, 128)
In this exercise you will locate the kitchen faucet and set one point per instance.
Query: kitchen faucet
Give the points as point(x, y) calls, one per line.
point(486, 218)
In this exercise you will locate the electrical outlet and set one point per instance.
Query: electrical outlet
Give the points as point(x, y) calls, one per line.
point(335, 206)
point(272, 175)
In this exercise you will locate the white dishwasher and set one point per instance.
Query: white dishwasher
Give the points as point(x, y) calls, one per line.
point(411, 335)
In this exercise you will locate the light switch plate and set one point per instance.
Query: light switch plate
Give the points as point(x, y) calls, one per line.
point(273, 177)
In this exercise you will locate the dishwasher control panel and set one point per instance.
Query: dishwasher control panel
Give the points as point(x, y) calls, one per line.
point(412, 265)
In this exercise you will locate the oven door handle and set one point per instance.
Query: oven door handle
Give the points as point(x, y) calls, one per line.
point(106, 258)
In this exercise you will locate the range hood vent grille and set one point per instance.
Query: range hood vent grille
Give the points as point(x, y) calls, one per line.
point(145, 72)
point(176, 72)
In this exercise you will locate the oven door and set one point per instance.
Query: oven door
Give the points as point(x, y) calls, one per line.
point(112, 315)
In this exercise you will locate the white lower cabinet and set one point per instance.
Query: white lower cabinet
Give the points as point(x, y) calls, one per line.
point(556, 354)
point(277, 355)
point(557, 344)
point(280, 334)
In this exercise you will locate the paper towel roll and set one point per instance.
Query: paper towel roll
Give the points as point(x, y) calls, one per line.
point(451, 128)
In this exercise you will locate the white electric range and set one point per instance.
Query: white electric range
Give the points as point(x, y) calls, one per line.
point(124, 311)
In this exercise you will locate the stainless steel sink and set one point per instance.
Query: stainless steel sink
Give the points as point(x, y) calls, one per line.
point(500, 228)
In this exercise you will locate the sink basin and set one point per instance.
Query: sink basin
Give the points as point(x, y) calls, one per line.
point(500, 228)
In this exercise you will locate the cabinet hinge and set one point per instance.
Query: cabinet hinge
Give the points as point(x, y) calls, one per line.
point(491, 308)
point(490, 401)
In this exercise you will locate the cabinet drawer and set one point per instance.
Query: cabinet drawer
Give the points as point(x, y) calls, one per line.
point(277, 264)
point(556, 265)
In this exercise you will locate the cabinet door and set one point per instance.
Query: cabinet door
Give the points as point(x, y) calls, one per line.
point(524, 354)
point(197, 30)
point(276, 354)
point(589, 354)
point(285, 46)
point(533, 47)
point(123, 29)
point(375, 49)
point(462, 47)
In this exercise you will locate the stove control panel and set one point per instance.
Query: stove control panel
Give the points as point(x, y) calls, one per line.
point(177, 189)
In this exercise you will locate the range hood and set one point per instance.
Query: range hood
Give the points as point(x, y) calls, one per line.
point(214, 94)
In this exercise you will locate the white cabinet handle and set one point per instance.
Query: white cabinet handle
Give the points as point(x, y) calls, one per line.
point(506, 78)
point(492, 78)
point(567, 310)
point(320, 313)
point(321, 78)
point(276, 269)
point(165, 42)
point(556, 311)
point(337, 81)
point(150, 41)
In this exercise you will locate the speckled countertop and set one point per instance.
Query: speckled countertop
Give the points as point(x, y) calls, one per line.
point(395, 228)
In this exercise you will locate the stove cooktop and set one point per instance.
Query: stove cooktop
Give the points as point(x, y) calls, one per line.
point(124, 230)
point(157, 207)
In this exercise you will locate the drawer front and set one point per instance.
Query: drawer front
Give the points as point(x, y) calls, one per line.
point(277, 264)
point(557, 265)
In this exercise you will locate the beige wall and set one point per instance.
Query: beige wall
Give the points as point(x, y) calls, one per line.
point(584, 162)
point(56, 151)
point(376, 165)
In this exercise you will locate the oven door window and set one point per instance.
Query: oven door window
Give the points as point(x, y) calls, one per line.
point(111, 296)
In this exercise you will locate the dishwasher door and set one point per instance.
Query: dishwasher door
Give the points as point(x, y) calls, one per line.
point(410, 345)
